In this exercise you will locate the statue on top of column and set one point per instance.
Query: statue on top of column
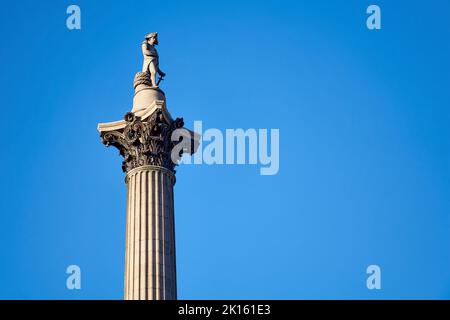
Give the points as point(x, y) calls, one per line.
point(151, 59)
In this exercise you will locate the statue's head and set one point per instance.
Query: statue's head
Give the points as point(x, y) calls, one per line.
point(152, 38)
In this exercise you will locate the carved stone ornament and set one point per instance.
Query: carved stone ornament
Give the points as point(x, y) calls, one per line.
point(142, 78)
point(145, 142)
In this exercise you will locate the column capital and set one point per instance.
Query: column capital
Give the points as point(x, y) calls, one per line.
point(144, 142)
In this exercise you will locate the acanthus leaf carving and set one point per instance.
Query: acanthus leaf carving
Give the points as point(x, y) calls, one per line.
point(144, 142)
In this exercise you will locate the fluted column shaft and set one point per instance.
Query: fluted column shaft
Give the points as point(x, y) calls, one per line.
point(150, 265)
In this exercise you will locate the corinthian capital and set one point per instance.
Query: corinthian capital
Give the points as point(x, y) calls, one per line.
point(144, 142)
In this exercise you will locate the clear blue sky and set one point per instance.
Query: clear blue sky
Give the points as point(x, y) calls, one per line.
point(364, 146)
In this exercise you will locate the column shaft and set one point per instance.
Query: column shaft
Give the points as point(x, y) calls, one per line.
point(150, 272)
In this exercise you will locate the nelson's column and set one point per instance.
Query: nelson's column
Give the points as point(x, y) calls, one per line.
point(151, 143)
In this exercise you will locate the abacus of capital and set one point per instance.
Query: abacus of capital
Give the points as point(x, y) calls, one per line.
point(144, 140)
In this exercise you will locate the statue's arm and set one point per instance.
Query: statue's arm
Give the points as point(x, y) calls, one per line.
point(145, 50)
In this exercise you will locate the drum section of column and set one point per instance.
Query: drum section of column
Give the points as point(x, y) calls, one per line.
point(150, 266)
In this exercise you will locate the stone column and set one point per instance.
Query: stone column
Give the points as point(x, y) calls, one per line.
point(144, 140)
point(150, 268)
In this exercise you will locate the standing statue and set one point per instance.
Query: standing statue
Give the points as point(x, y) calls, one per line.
point(151, 59)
